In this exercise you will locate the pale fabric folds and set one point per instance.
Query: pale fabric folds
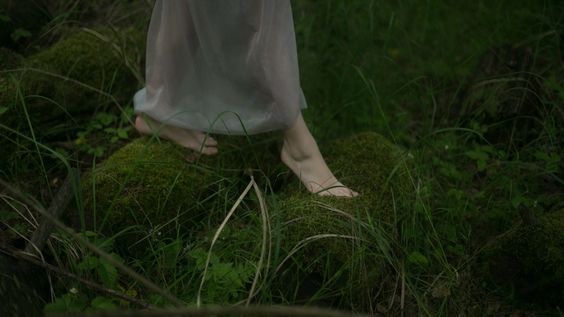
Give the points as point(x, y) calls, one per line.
point(223, 66)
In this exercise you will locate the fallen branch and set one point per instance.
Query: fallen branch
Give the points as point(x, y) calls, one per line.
point(58, 205)
point(247, 311)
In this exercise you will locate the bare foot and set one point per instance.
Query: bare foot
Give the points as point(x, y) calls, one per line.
point(195, 140)
point(301, 154)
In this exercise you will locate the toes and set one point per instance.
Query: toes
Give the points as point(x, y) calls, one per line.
point(206, 139)
point(210, 141)
point(209, 150)
point(338, 192)
point(196, 153)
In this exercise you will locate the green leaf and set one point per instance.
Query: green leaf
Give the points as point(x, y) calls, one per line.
point(103, 303)
point(221, 270)
point(20, 33)
point(200, 255)
point(481, 164)
point(417, 258)
point(477, 155)
point(58, 306)
point(108, 273)
point(105, 118)
point(3, 110)
point(6, 215)
point(97, 151)
point(170, 253)
point(67, 303)
point(5, 18)
point(517, 200)
point(89, 263)
point(122, 133)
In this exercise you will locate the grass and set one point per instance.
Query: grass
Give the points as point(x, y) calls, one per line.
point(472, 90)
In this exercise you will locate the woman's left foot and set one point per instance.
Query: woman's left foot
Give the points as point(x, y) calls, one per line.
point(301, 154)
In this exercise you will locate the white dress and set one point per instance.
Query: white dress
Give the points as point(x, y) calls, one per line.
point(222, 66)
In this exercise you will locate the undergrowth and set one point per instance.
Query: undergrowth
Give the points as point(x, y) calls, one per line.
point(472, 92)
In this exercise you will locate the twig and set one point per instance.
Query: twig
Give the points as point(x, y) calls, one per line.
point(58, 205)
point(147, 283)
point(248, 311)
point(90, 284)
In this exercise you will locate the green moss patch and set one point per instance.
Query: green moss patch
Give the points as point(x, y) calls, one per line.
point(78, 74)
point(145, 183)
point(158, 185)
point(528, 261)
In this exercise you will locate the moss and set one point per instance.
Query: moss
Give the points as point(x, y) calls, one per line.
point(60, 103)
point(74, 76)
point(147, 183)
point(144, 183)
point(379, 169)
point(90, 63)
point(528, 261)
point(372, 166)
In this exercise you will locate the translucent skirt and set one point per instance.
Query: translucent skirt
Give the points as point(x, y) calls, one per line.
point(227, 67)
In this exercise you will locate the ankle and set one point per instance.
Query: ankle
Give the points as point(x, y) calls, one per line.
point(302, 151)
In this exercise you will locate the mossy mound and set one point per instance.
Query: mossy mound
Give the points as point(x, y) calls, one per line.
point(78, 74)
point(145, 183)
point(60, 87)
point(149, 182)
point(528, 262)
point(376, 167)
point(151, 185)
point(336, 236)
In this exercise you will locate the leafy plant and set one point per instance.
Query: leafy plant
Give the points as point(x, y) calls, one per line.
point(225, 281)
point(103, 131)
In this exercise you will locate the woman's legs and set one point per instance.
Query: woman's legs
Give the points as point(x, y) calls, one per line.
point(301, 154)
point(195, 140)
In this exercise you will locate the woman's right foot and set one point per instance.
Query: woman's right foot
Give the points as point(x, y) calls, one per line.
point(301, 154)
point(194, 140)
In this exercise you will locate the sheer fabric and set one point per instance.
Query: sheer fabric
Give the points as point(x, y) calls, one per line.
point(223, 66)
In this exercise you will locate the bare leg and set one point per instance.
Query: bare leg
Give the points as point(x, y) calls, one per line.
point(301, 154)
point(195, 140)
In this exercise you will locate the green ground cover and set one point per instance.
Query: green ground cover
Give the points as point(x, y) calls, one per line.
point(447, 116)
